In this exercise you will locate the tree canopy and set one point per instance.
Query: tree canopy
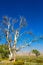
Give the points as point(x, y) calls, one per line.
point(36, 52)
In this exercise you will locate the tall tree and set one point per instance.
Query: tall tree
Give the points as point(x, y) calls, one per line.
point(10, 29)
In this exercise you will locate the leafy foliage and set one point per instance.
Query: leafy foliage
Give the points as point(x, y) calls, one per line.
point(4, 51)
point(36, 52)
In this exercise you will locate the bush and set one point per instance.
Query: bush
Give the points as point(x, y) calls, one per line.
point(4, 51)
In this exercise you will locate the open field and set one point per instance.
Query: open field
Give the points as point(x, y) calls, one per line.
point(24, 60)
point(21, 64)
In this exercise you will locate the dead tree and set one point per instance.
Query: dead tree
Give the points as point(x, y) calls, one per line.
point(7, 27)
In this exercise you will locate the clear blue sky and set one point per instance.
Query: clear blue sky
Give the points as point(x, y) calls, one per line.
point(32, 10)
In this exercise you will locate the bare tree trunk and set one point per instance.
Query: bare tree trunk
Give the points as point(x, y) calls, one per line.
point(10, 55)
point(15, 41)
point(14, 55)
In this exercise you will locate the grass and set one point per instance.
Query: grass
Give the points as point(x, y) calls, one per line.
point(24, 60)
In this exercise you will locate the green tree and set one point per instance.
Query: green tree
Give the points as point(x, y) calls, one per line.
point(36, 52)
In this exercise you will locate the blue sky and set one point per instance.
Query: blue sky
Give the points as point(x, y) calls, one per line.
point(32, 10)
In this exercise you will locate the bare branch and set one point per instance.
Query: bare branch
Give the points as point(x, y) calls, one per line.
point(41, 37)
point(5, 18)
point(18, 49)
point(30, 33)
point(23, 22)
point(14, 21)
